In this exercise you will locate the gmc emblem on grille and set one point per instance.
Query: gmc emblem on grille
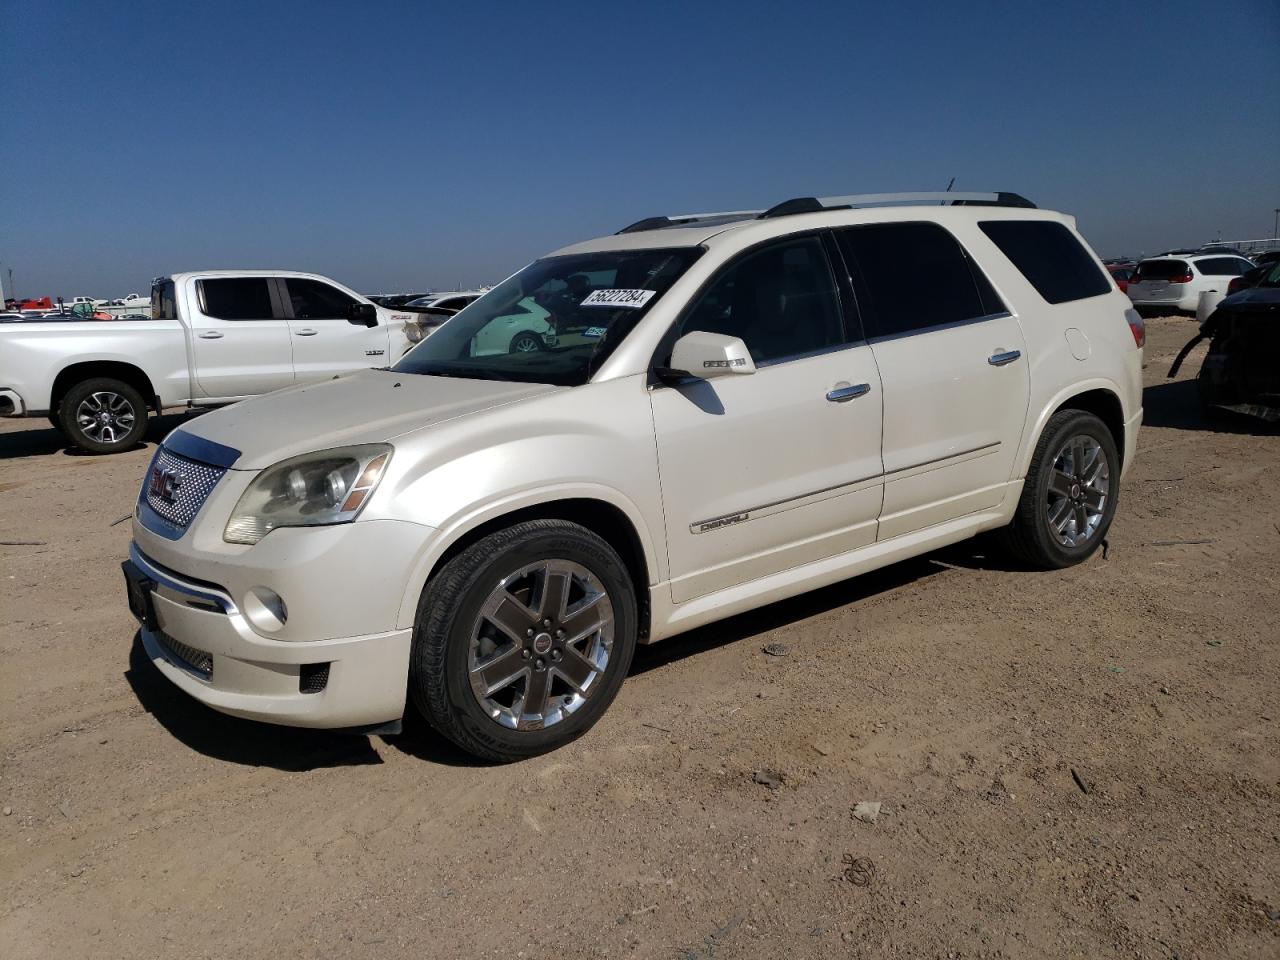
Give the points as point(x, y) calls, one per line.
point(165, 484)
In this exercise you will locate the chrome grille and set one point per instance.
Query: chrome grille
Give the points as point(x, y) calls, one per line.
point(197, 661)
point(187, 484)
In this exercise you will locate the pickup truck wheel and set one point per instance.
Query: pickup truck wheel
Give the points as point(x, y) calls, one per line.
point(523, 639)
point(1070, 494)
point(525, 343)
point(103, 415)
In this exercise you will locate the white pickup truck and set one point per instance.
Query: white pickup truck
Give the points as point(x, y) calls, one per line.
point(215, 337)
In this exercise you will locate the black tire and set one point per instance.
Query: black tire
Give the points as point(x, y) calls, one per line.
point(1029, 537)
point(123, 402)
point(439, 679)
point(526, 337)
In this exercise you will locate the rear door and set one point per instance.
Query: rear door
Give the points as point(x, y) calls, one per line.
point(952, 362)
point(325, 342)
point(764, 472)
point(240, 345)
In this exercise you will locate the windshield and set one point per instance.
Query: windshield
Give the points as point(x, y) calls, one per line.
point(553, 322)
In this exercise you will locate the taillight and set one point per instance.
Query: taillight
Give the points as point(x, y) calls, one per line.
point(1184, 278)
point(1236, 285)
point(1137, 326)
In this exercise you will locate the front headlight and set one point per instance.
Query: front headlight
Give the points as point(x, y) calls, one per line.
point(328, 486)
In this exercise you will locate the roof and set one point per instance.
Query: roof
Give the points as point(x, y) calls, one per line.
point(752, 228)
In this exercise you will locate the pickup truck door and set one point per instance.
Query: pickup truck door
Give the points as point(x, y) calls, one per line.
point(954, 367)
point(767, 471)
point(240, 344)
point(325, 342)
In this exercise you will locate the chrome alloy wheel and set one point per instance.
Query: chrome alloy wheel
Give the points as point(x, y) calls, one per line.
point(1079, 484)
point(526, 343)
point(105, 416)
point(540, 646)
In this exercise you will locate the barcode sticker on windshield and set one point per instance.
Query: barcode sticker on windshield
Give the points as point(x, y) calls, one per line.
point(618, 298)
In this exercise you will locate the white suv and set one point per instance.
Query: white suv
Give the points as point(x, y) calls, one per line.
point(738, 408)
point(1175, 283)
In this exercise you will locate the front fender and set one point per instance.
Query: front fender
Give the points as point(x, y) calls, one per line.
point(475, 516)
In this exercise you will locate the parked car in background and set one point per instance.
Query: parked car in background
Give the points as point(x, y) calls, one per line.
point(394, 301)
point(1265, 261)
point(217, 337)
point(1175, 283)
point(1121, 273)
point(453, 300)
point(765, 403)
point(1241, 371)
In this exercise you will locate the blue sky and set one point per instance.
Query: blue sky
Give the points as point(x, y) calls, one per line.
point(397, 146)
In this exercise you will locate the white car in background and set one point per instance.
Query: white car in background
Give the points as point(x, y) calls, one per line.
point(1175, 283)
point(528, 329)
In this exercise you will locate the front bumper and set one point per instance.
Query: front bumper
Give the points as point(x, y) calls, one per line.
point(201, 641)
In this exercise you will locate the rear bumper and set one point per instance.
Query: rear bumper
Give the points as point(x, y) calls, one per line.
point(11, 403)
point(1131, 428)
point(204, 645)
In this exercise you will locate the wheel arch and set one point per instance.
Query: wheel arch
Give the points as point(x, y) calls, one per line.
point(618, 523)
point(1100, 397)
point(128, 373)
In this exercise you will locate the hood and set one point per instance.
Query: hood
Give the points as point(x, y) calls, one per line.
point(371, 406)
point(1254, 298)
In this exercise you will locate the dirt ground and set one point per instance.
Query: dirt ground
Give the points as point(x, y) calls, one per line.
point(1072, 764)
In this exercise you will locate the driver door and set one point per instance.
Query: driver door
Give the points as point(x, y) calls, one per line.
point(764, 472)
point(325, 342)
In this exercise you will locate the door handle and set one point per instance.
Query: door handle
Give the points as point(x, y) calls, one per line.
point(210, 334)
point(307, 332)
point(845, 394)
point(1003, 357)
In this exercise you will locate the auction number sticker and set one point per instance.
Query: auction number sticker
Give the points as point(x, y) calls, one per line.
point(618, 298)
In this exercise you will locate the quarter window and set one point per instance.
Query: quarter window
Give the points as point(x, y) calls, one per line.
point(236, 298)
point(1052, 259)
point(780, 301)
point(313, 300)
point(912, 276)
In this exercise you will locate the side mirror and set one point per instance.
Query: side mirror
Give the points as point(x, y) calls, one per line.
point(362, 314)
point(709, 355)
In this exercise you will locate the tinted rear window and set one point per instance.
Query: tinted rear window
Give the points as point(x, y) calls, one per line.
point(162, 302)
point(1050, 257)
point(1223, 267)
point(1161, 269)
point(913, 276)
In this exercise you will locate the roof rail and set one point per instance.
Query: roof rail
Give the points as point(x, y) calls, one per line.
point(683, 219)
point(952, 198)
point(817, 204)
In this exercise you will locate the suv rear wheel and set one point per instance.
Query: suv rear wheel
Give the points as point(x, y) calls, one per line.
point(103, 415)
point(523, 639)
point(1069, 497)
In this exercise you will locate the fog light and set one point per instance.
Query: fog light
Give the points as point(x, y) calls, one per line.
point(265, 609)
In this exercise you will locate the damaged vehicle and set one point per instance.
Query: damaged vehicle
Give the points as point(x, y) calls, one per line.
point(1241, 372)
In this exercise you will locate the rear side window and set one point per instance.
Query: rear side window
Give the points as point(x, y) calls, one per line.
point(236, 298)
point(1161, 269)
point(313, 300)
point(1223, 267)
point(911, 276)
point(1050, 257)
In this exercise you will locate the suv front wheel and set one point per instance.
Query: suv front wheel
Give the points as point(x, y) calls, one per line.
point(1070, 493)
point(523, 639)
